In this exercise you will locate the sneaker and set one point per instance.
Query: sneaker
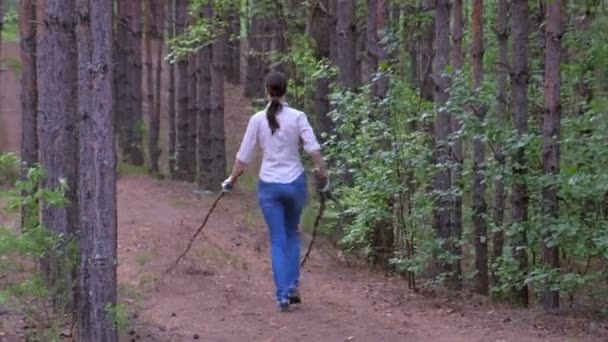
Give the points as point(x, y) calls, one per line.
point(294, 297)
point(284, 307)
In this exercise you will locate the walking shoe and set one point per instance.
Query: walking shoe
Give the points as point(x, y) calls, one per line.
point(294, 297)
point(284, 307)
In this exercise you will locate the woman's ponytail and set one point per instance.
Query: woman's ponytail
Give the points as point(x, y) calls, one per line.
point(276, 86)
point(271, 114)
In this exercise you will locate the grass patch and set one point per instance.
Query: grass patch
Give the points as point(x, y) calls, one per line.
point(146, 256)
point(10, 33)
point(214, 254)
point(126, 169)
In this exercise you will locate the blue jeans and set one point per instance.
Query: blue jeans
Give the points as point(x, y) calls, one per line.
point(282, 206)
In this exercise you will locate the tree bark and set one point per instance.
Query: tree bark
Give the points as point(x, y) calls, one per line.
point(218, 72)
point(502, 33)
point(218, 148)
point(372, 42)
point(254, 77)
point(97, 174)
point(457, 154)
point(551, 133)
point(29, 102)
point(204, 156)
point(192, 114)
point(57, 111)
point(319, 23)
point(519, 85)
point(233, 70)
point(149, 65)
point(136, 156)
point(171, 104)
point(128, 87)
point(347, 43)
point(155, 149)
point(122, 86)
point(442, 132)
point(479, 190)
point(181, 117)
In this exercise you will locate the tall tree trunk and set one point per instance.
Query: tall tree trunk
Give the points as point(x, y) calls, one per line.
point(192, 114)
point(502, 33)
point(204, 156)
point(218, 71)
point(382, 15)
point(425, 60)
point(57, 110)
point(233, 65)
point(479, 190)
point(254, 86)
point(150, 26)
point(551, 133)
point(136, 156)
point(442, 132)
point(519, 85)
point(122, 87)
point(29, 102)
point(171, 104)
point(181, 118)
point(97, 176)
point(155, 113)
point(372, 41)
point(347, 43)
point(320, 22)
point(456, 61)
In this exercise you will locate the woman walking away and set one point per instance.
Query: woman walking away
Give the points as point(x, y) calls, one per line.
point(277, 131)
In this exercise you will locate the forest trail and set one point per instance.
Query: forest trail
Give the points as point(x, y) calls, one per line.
point(222, 291)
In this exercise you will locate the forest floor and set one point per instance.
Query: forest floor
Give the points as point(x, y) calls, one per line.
point(222, 291)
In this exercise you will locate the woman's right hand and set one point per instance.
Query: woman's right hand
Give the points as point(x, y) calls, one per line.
point(322, 180)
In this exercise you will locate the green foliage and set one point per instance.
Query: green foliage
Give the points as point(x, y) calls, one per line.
point(119, 315)
point(9, 171)
point(31, 288)
point(11, 26)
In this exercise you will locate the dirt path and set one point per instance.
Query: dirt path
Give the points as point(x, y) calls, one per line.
point(223, 289)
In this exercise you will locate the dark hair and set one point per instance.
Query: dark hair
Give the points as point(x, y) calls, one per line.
point(276, 86)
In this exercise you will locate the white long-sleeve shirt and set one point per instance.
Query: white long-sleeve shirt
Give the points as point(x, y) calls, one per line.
point(281, 161)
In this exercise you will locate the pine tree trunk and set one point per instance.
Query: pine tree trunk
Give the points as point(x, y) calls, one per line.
point(442, 132)
point(382, 15)
point(319, 23)
point(29, 102)
point(155, 117)
point(218, 72)
point(171, 104)
point(122, 86)
point(551, 133)
point(372, 42)
point(479, 190)
point(233, 65)
point(97, 174)
point(204, 156)
point(347, 43)
point(1, 31)
point(149, 33)
point(502, 33)
point(519, 86)
point(57, 111)
point(254, 85)
point(192, 114)
point(456, 61)
point(181, 117)
point(136, 156)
